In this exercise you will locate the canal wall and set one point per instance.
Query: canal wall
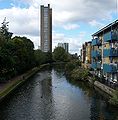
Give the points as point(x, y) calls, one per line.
point(104, 88)
point(14, 83)
point(101, 86)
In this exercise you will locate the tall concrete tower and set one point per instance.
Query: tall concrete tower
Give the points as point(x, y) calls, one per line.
point(46, 28)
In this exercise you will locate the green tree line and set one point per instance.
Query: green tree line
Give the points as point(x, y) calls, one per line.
point(17, 54)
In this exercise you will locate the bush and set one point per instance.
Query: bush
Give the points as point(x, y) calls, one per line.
point(94, 79)
point(114, 99)
point(79, 74)
point(73, 64)
point(60, 55)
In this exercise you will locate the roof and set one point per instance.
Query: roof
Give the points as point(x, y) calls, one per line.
point(106, 27)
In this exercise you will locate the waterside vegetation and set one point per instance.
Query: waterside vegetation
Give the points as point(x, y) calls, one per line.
point(75, 71)
point(17, 56)
point(114, 99)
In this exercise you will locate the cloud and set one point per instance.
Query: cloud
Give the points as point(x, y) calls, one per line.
point(95, 23)
point(34, 39)
point(75, 42)
point(82, 10)
point(77, 11)
point(22, 21)
point(67, 14)
point(71, 26)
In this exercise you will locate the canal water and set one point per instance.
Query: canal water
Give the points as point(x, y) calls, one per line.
point(49, 95)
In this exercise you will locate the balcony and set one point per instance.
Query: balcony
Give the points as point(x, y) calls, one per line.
point(110, 36)
point(95, 53)
point(110, 52)
point(110, 68)
point(94, 65)
point(98, 65)
point(95, 42)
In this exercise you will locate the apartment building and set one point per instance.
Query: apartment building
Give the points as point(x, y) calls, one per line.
point(105, 52)
point(46, 28)
point(65, 46)
point(96, 55)
point(86, 54)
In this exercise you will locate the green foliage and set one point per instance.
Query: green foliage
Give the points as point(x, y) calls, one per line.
point(94, 79)
point(114, 99)
point(23, 53)
point(16, 56)
point(73, 70)
point(4, 34)
point(72, 65)
point(6, 64)
point(60, 55)
point(39, 57)
point(42, 57)
point(79, 74)
point(69, 67)
point(49, 58)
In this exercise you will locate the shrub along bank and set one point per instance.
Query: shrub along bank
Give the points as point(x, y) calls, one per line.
point(75, 71)
point(114, 99)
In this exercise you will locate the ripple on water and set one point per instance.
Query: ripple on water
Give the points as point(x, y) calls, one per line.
point(50, 96)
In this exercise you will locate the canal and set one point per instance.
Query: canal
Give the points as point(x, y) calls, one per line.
point(49, 95)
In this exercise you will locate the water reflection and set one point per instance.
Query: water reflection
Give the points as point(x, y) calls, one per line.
point(99, 108)
point(49, 95)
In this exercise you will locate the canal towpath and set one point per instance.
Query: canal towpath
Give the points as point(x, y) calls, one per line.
point(7, 87)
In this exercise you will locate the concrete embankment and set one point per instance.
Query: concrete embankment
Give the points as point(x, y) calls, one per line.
point(14, 83)
point(101, 86)
point(104, 88)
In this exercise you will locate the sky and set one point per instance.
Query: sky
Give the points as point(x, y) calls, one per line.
point(74, 21)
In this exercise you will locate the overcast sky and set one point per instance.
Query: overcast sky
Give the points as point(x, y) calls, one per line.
point(74, 21)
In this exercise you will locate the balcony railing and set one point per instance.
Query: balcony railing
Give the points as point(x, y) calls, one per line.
point(94, 65)
point(110, 68)
point(95, 53)
point(98, 65)
point(95, 41)
point(110, 52)
point(110, 36)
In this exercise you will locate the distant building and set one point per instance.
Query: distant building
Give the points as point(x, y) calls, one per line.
point(86, 54)
point(46, 28)
point(83, 53)
point(64, 45)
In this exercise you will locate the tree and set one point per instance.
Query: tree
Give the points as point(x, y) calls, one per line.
point(79, 74)
point(71, 65)
point(6, 64)
point(16, 54)
point(60, 54)
point(23, 53)
point(40, 57)
point(5, 35)
point(49, 58)
point(6, 60)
